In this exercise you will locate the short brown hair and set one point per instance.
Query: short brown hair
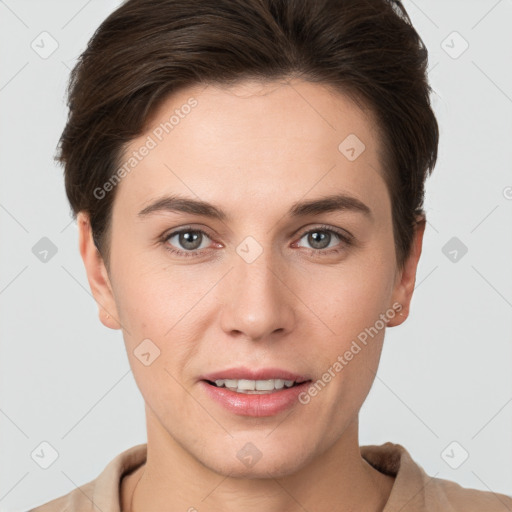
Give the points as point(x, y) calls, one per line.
point(148, 49)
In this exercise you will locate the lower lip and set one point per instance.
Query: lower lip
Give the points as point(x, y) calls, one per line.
point(256, 405)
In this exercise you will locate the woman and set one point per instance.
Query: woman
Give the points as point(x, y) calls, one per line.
point(248, 179)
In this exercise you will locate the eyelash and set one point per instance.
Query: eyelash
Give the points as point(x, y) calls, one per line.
point(345, 238)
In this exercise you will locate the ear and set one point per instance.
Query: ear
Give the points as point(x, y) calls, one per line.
point(97, 275)
point(406, 279)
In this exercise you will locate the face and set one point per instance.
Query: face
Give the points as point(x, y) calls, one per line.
point(264, 284)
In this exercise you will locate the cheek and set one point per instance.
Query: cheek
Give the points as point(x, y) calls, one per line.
point(345, 299)
point(153, 308)
point(151, 296)
point(162, 304)
point(350, 303)
point(350, 298)
point(144, 304)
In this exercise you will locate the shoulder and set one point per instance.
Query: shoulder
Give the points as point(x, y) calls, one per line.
point(74, 501)
point(415, 490)
point(102, 493)
point(450, 496)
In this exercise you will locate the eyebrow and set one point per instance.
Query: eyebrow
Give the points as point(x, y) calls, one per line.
point(336, 202)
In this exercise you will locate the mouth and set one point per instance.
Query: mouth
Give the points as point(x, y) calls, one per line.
point(255, 392)
point(255, 398)
point(256, 387)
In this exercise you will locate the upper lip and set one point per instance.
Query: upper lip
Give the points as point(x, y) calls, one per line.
point(254, 374)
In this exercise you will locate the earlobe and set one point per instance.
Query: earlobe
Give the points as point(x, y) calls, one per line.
point(97, 274)
point(406, 280)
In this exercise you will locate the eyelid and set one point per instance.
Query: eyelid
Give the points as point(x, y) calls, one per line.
point(344, 236)
point(342, 233)
point(346, 242)
point(173, 232)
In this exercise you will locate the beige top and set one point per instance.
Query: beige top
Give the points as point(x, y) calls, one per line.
point(413, 490)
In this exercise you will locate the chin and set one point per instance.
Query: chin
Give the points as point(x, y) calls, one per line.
point(249, 462)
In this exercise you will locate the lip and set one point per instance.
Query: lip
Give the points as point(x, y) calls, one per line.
point(255, 405)
point(243, 372)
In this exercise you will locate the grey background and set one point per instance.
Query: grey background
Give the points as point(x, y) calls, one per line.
point(445, 375)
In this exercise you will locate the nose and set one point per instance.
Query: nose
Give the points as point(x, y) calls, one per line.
point(258, 302)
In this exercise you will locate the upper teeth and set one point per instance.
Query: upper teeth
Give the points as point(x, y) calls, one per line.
point(254, 385)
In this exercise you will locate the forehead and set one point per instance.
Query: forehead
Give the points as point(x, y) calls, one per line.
point(254, 141)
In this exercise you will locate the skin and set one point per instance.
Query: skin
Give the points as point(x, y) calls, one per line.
point(253, 150)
